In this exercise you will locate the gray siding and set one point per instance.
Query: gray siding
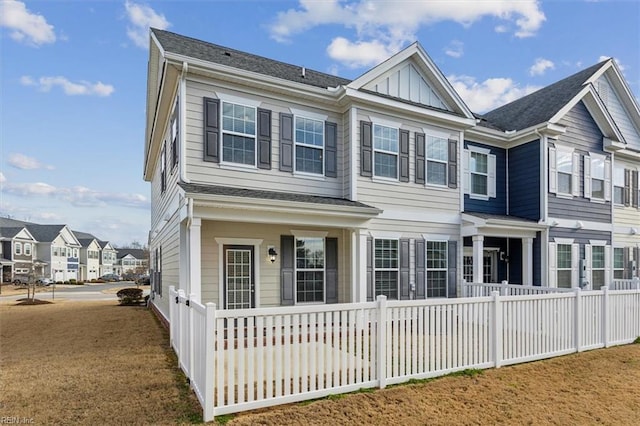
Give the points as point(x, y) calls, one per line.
point(580, 236)
point(582, 134)
point(524, 181)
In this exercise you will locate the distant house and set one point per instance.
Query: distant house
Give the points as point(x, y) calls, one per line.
point(132, 261)
point(60, 249)
point(108, 258)
point(18, 253)
point(89, 256)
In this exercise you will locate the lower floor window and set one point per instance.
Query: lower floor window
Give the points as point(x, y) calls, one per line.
point(436, 269)
point(618, 263)
point(597, 267)
point(386, 268)
point(564, 265)
point(310, 270)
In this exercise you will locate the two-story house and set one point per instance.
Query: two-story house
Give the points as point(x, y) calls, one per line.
point(18, 253)
point(132, 261)
point(273, 184)
point(108, 258)
point(59, 249)
point(89, 256)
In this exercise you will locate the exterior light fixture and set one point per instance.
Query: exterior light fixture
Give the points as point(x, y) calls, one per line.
point(273, 254)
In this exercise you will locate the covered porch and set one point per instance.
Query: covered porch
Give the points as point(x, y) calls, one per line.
point(501, 248)
point(244, 248)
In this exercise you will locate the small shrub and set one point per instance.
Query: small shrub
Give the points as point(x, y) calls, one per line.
point(58, 282)
point(130, 296)
point(66, 282)
point(73, 281)
point(637, 341)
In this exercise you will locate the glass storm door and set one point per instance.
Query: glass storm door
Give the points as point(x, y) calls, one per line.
point(239, 287)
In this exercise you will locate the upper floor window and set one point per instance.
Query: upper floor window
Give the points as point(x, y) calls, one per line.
point(27, 249)
point(479, 169)
point(479, 173)
point(437, 160)
point(174, 136)
point(618, 185)
point(565, 171)
point(163, 165)
point(310, 276)
point(386, 268)
point(17, 248)
point(238, 134)
point(385, 148)
point(597, 177)
point(309, 140)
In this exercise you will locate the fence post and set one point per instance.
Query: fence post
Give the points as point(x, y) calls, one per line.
point(465, 291)
point(577, 330)
point(605, 316)
point(635, 283)
point(504, 288)
point(382, 341)
point(191, 335)
point(209, 361)
point(497, 328)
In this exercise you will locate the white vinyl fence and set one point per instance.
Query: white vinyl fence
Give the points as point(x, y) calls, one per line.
point(506, 289)
point(240, 360)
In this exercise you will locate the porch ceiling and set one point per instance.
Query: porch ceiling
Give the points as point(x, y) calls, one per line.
point(499, 226)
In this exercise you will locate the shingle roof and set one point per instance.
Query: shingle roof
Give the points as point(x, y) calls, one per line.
point(137, 253)
point(268, 195)
point(500, 217)
point(7, 222)
point(84, 242)
point(198, 49)
point(540, 106)
point(83, 235)
point(44, 233)
point(10, 231)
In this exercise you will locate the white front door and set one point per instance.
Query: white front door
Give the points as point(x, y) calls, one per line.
point(239, 283)
point(489, 265)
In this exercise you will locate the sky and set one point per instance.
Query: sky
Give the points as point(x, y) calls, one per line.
point(73, 77)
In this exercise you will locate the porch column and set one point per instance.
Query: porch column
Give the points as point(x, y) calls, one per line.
point(361, 281)
point(195, 247)
point(478, 258)
point(527, 261)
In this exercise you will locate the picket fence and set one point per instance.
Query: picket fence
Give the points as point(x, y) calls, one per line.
point(240, 360)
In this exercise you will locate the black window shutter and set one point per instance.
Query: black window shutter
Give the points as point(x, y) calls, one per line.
point(370, 277)
point(264, 139)
point(404, 268)
point(211, 130)
point(287, 280)
point(286, 142)
point(452, 261)
point(366, 149)
point(331, 268)
point(404, 156)
point(174, 149)
point(626, 262)
point(330, 149)
point(420, 158)
point(626, 193)
point(634, 189)
point(453, 163)
point(421, 271)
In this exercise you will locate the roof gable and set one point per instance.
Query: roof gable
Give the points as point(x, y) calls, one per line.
point(412, 76)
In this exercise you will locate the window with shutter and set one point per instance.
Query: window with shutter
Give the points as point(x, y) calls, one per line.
point(619, 185)
point(385, 151)
point(309, 145)
point(437, 160)
point(386, 268)
point(437, 269)
point(238, 134)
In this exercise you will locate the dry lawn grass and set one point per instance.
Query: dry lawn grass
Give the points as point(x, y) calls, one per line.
point(98, 363)
point(89, 363)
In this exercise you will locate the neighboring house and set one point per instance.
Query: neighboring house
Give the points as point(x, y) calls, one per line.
point(89, 256)
point(18, 253)
point(60, 249)
point(276, 185)
point(108, 258)
point(132, 261)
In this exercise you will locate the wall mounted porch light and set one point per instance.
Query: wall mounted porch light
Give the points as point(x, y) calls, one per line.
point(273, 254)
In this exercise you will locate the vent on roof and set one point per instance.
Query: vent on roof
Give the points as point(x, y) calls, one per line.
point(227, 53)
point(304, 71)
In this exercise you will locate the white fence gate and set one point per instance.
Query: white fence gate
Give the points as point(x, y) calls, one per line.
point(240, 360)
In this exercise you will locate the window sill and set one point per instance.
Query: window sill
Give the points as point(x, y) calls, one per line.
point(438, 187)
point(598, 200)
point(564, 196)
point(392, 181)
point(479, 197)
point(238, 167)
point(310, 176)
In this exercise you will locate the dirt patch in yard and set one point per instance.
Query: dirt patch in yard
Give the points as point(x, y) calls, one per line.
point(89, 363)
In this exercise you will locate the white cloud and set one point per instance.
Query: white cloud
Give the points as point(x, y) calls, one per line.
point(489, 94)
point(455, 49)
point(3, 179)
point(23, 162)
point(77, 196)
point(541, 66)
point(358, 54)
point(142, 17)
point(388, 25)
point(70, 88)
point(25, 26)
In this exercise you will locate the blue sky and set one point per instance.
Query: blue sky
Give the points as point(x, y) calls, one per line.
point(73, 76)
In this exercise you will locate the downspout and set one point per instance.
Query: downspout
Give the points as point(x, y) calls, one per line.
point(182, 93)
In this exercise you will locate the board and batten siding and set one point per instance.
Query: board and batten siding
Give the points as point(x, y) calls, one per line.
point(269, 280)
point(497, 204)
point(618, 112)
point(524, 181)
point(585, 137)
point(406, 196)
point(199, 171)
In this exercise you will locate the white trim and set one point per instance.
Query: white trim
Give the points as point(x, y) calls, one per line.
point(384, 122)
point(473, 148)
point(597, 242)
point(563, 240)
point(297, 233)
point(586, 225)
point(308, 114)
point(436, 237)
point(437, 132)
point(225, 97)
point(424, 216)
point(385, 235)
point(257, 256)
point(355, 144)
